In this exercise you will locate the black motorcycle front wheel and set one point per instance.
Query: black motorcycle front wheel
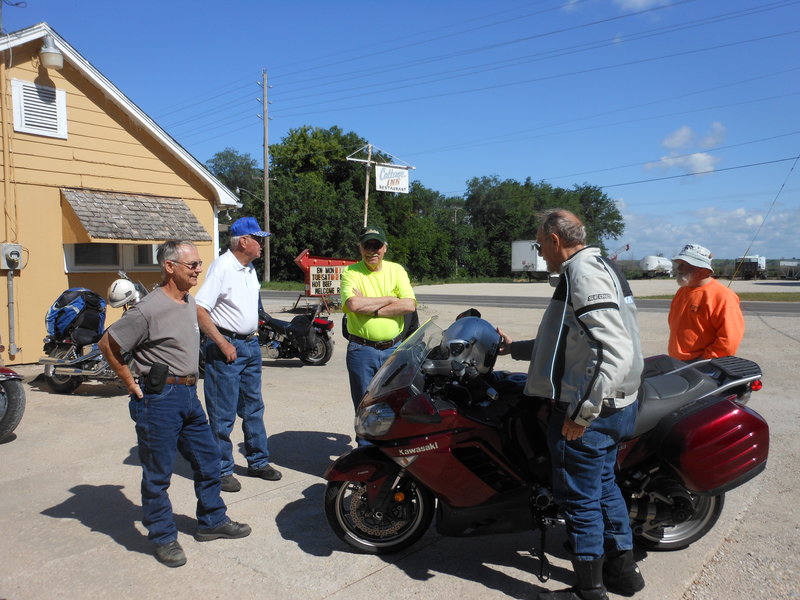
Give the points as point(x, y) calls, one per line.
point(320, 354)
point(12, 406)
point(701, 513)
point(405, 520)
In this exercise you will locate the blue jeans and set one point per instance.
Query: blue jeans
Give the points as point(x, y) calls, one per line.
point(165, 423)
point(235, 389)
point(585, 487)
point(362, 364)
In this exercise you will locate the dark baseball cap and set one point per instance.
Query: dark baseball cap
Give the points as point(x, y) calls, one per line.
point(371, 233)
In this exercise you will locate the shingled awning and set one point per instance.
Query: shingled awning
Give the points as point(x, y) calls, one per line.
point(117, 216)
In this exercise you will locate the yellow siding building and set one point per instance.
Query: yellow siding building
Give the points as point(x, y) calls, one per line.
point(90, 185)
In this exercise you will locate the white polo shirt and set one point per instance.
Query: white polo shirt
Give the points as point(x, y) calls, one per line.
point(230, 294)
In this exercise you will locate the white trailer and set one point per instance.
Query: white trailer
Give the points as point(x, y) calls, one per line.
point(525, 259)
point(751, 267)
point(656, 265)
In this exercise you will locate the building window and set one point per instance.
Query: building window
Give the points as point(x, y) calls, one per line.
point(39, 109)
point(94, 255)
point(104, 257)
point(145, 255)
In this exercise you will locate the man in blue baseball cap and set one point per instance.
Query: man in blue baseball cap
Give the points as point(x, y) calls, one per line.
point(227, 311)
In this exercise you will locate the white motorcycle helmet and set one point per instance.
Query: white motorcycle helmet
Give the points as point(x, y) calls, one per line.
point(122, 292)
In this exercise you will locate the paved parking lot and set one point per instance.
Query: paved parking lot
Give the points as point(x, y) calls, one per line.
point(70, 507)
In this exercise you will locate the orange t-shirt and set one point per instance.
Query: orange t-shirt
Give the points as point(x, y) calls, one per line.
point(705, 322)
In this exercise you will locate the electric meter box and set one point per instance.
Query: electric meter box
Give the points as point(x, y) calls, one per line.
point(10, 256)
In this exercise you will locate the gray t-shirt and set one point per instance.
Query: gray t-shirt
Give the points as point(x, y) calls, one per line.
point(160, 330)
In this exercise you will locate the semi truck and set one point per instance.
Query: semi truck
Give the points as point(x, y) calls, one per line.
point(525, 259)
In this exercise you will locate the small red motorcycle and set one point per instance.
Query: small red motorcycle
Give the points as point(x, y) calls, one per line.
point(455, 440)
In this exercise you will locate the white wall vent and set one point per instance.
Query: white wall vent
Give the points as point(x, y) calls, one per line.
point(39, 109)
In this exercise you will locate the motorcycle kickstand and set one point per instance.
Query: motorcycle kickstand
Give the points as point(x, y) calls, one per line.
point(544, 563)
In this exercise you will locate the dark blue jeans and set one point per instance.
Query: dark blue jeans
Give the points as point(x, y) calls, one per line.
point(235, 389)
point(362, 364)
point(166, 423)
point(585, 487)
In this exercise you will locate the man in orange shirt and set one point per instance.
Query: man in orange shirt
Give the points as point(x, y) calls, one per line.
point(705, 320)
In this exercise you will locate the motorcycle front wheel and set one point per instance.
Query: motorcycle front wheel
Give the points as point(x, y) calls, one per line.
point(12, 406)
point(62, 384)
point(405, 521)
point(705, 510)
point(320, 354)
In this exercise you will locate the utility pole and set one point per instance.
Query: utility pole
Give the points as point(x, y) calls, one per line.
point(265, 114)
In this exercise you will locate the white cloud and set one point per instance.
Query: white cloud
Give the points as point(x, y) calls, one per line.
point(683, 137)
point(699, 162)
point(715, 136)
point(633, 5)
point(728, 233)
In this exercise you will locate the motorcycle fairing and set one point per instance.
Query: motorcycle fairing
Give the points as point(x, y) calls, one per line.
point(368, 465)
point(508, 513)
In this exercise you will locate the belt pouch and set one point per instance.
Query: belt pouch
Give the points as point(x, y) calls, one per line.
point(154, 381)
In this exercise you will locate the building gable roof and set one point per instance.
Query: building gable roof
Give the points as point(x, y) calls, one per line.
point(223, 196)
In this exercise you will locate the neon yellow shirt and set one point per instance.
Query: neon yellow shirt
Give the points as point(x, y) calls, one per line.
point(391, 280)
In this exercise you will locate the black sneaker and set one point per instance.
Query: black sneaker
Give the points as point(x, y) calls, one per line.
point(229, 530)
point(230, 484)
point(267, 473)
point(170, 554)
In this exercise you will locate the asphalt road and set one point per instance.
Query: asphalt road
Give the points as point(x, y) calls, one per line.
point(476, 300)
point(70, 516)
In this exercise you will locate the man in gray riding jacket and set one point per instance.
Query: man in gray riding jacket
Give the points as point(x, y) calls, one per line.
point(587, 361)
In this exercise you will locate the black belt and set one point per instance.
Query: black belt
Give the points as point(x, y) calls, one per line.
point(377, 345)
point(236, 336)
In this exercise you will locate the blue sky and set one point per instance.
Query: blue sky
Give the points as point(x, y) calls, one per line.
point(630, 95)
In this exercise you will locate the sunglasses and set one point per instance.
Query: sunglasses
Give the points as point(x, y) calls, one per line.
point(372, 245)
point(538, 247)
point(192, 265)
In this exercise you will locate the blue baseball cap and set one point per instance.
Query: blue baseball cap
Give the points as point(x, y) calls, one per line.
point(247, 226)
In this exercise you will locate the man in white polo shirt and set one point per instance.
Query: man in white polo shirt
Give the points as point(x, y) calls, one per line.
point(227, 312)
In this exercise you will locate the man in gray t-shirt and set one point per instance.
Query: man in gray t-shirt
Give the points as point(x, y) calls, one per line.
point(163, 339)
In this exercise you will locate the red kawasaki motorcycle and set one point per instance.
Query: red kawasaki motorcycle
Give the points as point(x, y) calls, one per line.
point(454, 439)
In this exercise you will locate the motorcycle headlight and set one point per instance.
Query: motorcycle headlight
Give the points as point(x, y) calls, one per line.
point(374, 420)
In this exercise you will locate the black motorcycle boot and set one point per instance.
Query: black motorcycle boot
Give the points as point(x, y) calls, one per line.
point(621, 574)
point(589, 585)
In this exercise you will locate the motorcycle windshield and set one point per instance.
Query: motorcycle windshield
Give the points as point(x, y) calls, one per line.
point(404, 367)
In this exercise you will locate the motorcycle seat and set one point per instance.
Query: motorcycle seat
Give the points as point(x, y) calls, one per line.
point(662, 394)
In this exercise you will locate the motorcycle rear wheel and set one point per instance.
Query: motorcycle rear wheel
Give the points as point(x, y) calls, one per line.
point(706, 511)
point(320, 354)
point(12, 406)
point(358, 526)
point(63, 384)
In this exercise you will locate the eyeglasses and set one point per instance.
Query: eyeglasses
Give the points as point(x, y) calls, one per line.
point(192, 265)
point(538, 247)
point(372, 245)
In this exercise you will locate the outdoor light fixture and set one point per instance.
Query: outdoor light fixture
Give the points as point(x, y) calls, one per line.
point(51, 56)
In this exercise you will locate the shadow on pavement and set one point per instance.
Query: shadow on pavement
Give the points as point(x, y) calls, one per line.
point(105, 509)
point(485, 560)
point(319, 448)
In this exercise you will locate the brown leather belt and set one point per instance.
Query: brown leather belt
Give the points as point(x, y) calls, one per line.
point(377, 345)
point(188, 380)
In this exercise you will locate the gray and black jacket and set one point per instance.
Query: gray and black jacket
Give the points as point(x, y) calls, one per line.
point(587, 353)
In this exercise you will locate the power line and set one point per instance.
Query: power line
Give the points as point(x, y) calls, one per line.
point(708, 172)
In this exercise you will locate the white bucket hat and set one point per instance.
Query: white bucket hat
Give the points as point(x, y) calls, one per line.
point(695, 255)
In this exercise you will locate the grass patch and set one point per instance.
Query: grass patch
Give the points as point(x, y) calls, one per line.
point(284, 286)
point(749, 296)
